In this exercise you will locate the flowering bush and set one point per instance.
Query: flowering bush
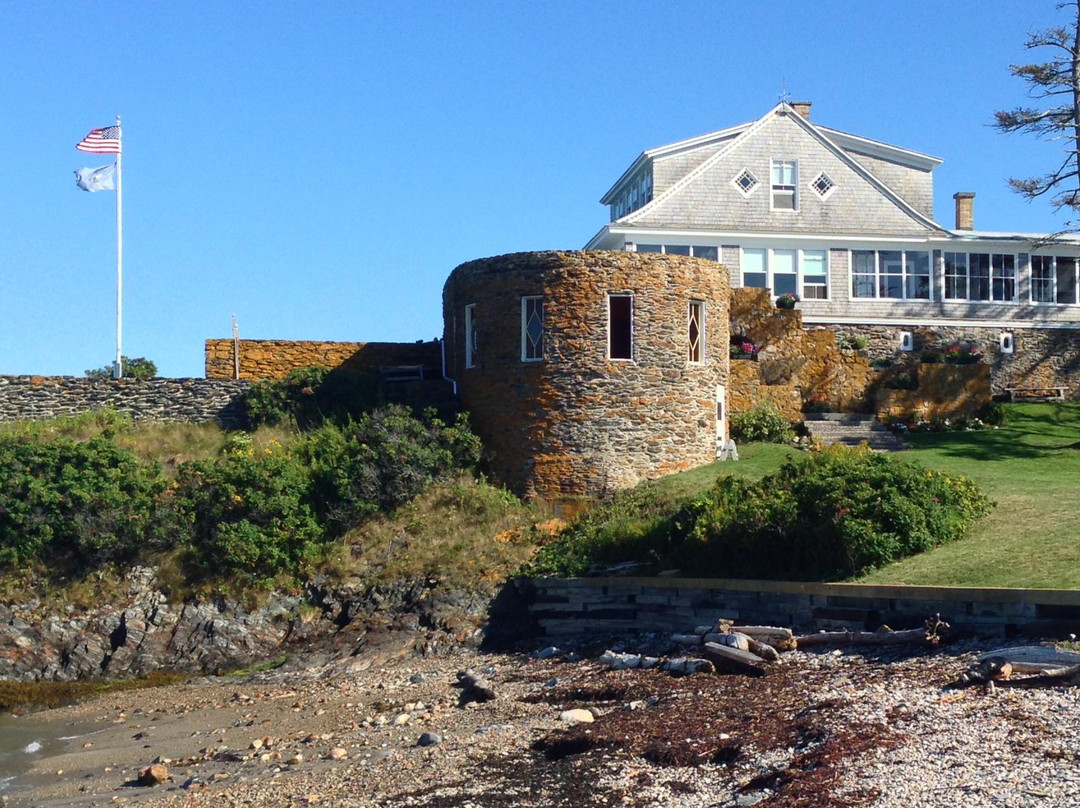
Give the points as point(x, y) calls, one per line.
point(787, 300)
point(914, 424)
point(743, 349)
point(818, 404)
point(962, 355)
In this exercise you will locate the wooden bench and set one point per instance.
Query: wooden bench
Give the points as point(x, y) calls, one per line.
point(1036, 393)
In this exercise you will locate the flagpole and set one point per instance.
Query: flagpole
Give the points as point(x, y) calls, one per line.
point(118, 367)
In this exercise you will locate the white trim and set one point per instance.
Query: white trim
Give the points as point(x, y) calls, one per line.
point(735, 182)
point(794, 186)
point(611, 358)
point(470, 336)
point(877, 297)
point(525, 328)
point(901, 321)
point(884, 151)
point(831, 182)
point(691, 304)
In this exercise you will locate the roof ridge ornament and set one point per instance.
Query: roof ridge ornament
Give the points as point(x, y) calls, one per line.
point(784, 94)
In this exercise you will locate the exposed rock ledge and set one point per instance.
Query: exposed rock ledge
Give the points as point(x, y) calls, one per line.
point(144, 632)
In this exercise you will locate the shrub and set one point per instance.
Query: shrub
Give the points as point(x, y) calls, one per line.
point(742, 348)
point(381, 461)
point(902, 381)
point(816, 404)
point(932, 357)
point(310, 396)
point(135, 368)
point(837, 513)
point(248, 512)
point(764, 423)
point(83, 503)
point(962, 355)
point(856, 343)
point(994, 413)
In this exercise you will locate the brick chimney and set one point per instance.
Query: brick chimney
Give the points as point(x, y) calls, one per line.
point(965, 210)
point(802, 108)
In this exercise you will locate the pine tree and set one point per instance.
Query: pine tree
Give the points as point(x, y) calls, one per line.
point(1056, 84)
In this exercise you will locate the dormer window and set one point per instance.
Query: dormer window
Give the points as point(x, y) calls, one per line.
point(824, 185)
point(785, 178)
point(746, 182)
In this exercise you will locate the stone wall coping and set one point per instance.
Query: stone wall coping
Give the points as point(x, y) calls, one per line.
point(957, 594)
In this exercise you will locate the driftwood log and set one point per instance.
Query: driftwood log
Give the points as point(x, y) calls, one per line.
point(930, 634)
point(733, 660)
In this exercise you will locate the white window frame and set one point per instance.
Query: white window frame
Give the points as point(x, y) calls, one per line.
point(739, 188)
point(905, 275)
point(691, 250)
point(470, 335)
point(698, 307)
point(629, 358)
point(989, 278)
point(775, 187)
point(1054, 275)
point(526, 343)
point(800, 268)
point(813, 185)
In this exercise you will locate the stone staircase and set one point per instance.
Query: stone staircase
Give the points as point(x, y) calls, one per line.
point(851, 430)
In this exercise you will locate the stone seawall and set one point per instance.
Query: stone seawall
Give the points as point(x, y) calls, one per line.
point(617, 605)
point(185, 400)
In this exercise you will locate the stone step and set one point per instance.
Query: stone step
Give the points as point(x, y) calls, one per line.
point(852, 430)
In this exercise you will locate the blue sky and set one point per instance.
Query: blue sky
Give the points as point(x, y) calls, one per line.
point(318, 169)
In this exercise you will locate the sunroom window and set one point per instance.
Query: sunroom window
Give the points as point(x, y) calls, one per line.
point(784, 271)
point(890, 274)
point(980, 276)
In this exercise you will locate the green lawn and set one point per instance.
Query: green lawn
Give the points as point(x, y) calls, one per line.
point(1031, 468)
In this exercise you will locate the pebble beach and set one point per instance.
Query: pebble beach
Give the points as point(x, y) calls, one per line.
point(823, 728)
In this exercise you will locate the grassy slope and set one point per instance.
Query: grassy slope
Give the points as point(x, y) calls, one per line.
point(1031, 468)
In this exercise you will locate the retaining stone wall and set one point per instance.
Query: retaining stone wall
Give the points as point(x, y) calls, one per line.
point(188, 400)
point(578, 424)
point(1041, 357)
point(619, 605)
point(274, 358)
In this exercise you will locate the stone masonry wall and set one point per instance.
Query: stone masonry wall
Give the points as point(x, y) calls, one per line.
point(793, 365)
point(612, 605)
point(189, 400)
point(578, 424)
point(1041, 357)
point(274, 358)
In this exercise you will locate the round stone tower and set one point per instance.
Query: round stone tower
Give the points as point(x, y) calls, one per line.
point(586, 372)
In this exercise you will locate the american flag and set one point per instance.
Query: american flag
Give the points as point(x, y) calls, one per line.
point(105, 140)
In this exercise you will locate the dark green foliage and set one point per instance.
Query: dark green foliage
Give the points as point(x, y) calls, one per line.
point(635, 525)
point(903, 381)
point(311, 396)
point(134, 368)
point(836, 514)
point(381, 461)
point(832, 515)
point(79, 503)
point(994, 413)
point(247, 512)
point(765, 423)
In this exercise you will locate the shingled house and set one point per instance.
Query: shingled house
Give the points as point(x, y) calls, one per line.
point(847, 224)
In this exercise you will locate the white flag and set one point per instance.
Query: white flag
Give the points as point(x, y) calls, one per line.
point(97, 179)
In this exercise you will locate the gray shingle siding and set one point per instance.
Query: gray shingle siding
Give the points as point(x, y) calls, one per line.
point(709, 199)
point(915, 186)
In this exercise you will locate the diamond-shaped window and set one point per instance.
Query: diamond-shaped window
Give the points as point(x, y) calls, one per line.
point(746, 182)
point(823, 184)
